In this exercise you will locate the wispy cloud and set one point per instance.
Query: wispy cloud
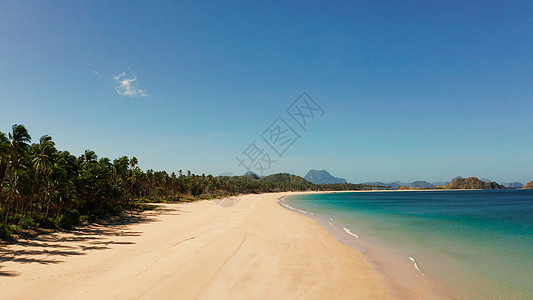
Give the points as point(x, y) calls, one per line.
point(127, 86)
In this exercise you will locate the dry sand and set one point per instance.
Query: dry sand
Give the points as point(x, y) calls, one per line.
point(243, 248)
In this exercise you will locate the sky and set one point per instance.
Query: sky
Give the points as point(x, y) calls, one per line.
point(419, 90)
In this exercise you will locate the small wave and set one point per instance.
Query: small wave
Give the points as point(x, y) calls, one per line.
point(292, 208)
point(286, 205)
point(295, 209)
point(348, 231)
point(416, 265)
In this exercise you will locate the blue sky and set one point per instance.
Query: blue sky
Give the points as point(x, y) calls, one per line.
point(421, 90)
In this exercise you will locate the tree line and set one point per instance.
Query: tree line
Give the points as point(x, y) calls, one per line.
point(46, 187)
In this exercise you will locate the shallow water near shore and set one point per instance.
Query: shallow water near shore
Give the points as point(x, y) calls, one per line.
point(470, 244)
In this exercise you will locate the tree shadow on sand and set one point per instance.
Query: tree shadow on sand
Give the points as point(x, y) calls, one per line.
point(50, 248)
point(7, 273)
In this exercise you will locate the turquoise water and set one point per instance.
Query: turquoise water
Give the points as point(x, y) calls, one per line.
point(477, 244)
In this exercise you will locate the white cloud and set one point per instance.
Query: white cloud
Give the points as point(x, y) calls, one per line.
point(127, 86)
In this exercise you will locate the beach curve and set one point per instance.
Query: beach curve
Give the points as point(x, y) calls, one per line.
point(254, 249)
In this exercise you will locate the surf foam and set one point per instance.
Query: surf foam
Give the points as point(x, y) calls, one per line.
point(348, 231)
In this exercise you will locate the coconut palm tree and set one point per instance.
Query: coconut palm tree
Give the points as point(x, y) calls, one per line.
point(12, 192)
point(51, 188)
point(88, 157)
point(133, 162)
point(19, 142)
point(4, 155)
point(42, 163)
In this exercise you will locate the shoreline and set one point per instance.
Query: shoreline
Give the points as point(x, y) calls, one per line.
point(238, 247)
point(457, 241)
point(403, 277)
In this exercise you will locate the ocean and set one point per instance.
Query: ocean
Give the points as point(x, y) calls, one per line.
point(465, 244)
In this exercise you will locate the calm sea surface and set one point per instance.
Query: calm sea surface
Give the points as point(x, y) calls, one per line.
point(477, 244)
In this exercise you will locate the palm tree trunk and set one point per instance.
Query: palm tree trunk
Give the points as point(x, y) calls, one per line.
point(7, 210)
point(48, 207)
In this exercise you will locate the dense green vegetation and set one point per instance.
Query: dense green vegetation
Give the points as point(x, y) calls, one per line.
point(403, 187)
point(41, 186)
point(528, 186)
point(473, 183)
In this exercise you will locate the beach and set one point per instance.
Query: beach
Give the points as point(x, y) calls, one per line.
point(245, 247)
point(463, 244)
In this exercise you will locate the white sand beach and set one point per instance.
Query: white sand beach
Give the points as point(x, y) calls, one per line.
point(243, 248)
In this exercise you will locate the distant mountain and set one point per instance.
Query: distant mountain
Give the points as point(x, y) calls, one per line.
point(528, 186)
point(446, 182)
point(421, 184)
point(285, 178)
point(322, 177)
point(396, 184)
point(473, 183)
point(513, 185)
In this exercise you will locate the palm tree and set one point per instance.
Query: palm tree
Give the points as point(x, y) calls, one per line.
point(42, 162)
point(133, 177)
point(51, 188)
point(12, 191)
point(133, 162)
point(4, 155)
point(43, 158)
point(88, 157)
point(19, 142)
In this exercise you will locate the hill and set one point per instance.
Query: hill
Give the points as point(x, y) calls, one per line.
point(473, 183)
point(421, 184)
point(252, 183)
point(252, 173)
point(322, 177)
point(528, 186)
point(285, 178)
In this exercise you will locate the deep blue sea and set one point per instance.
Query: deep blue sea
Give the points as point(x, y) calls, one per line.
point(477, 244)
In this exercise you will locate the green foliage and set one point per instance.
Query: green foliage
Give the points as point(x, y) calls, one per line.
point(285, 178)
point(196, 190)
point(473, 183)
point(69, 219)
point(5, 233)
point(43, 186)
point(27, 222)
point(528, 186)
point(48, 223)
